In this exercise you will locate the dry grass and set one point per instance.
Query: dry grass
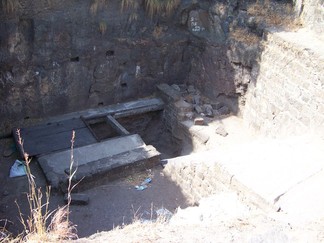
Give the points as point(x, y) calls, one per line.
point(97, 4)
point(245, 36)
point(132, 5)
point(10, 6)
point(152, 7)
point(274, 14)
point(138, 231)
point(158, 32)
point(102, 27)
point(43, 225)
point(157, 7)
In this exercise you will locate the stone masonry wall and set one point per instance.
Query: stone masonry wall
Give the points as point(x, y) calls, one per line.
point(200, 175)
point(196, 178)
point(288, 96)
point(312, 14)
point(61, 56)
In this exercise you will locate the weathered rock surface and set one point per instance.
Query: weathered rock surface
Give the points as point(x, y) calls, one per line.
point(62, 56)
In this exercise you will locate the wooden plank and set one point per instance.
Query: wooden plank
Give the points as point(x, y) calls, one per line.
point(90, 129)
point(60, 141)
point(56, 135)
point(51, 128)
point(139, 106)
point(34, 146)
point(136, 111)
point(117, 126)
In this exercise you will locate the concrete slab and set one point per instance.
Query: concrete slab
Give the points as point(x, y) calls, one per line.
point(113, 167)
point(270, 167)
point(117, 110)
point(56, 164)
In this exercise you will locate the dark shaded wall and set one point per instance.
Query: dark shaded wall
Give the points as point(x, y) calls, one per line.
point(58, 56)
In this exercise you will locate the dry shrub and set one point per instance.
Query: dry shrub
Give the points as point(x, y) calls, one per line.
point(97, 4)
point(6, 236)
point(275, 14)
point(130, 4)
point(10, 6)
point(133, 5)
point(157, 7)
point(102, 27)
point(245, 36)
point(158, 32)
point(35, 226)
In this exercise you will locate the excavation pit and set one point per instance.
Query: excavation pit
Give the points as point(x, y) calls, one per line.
point(104, 146)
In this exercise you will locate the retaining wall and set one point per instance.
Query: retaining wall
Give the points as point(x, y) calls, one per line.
point(288, 95)
point(200, 175)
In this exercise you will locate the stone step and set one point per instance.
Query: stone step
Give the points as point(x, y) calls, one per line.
point(98, 159)
point(116, 166)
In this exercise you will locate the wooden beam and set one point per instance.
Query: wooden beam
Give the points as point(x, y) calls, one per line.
point(116, 125)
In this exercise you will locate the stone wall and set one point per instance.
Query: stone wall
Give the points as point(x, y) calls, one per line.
point(201, 175)
point(287, 98)
point(312, 14)
point(61, 56)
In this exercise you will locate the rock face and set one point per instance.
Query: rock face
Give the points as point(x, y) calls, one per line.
point(61, 56)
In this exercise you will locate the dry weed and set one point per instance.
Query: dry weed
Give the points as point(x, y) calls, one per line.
point(102, 27)
point(97, 4)
point(157, 7)
point(35, 226)
point(275, 14)
point(245, 36)
point(10, 6)
point(130, 4)
point(158, 32)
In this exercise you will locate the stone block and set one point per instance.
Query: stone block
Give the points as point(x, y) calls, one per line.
point(168, 92)
point(183, 106)
point(224, 110)
point(220, 130)
point(199, 121)
point(208, 110)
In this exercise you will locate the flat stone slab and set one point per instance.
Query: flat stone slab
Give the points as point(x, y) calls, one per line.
point(116, 110)
point(279, 174)
point(53, 136)
point(56, 165)
point(118, 165)
point(271, 168)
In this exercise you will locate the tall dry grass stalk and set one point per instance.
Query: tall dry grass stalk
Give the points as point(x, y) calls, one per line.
point(157, 7)
point(36, 227)
point(10, 6)
point(97, 4)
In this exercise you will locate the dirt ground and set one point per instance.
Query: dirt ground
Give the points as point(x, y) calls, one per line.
point(110, 205)
point(114, 205)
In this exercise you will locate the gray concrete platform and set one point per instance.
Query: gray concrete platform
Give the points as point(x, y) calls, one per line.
point(97, 159)
point(285, 175)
